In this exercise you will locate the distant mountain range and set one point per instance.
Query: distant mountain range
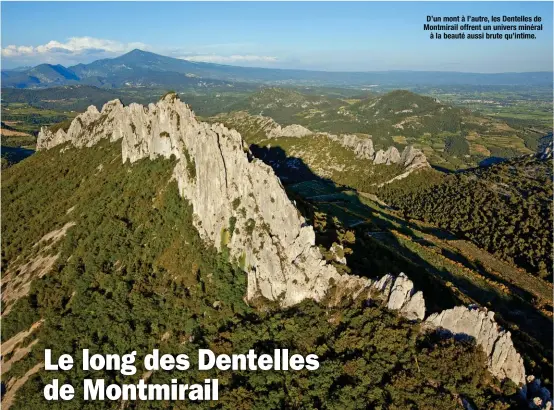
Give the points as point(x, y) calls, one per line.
point(144, 69)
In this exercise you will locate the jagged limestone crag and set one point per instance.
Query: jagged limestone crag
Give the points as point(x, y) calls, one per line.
point(293, 130)
point(503, 359)
point(362, 147)
point(240, 204)
point(411, 158)
point(270, 127)
point(390, 156)
point(401, 295)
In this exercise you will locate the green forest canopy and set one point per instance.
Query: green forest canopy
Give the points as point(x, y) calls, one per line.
point(133, 274)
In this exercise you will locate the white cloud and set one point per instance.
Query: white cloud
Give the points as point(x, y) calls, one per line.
point(86, 49)
point(15, 51)
point(231, 59)
point(73, 46)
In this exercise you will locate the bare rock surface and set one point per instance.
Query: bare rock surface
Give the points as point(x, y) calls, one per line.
point(390, 156)
point(362, 147)
point(413, 158)
point(240, 204)
point(503, 359)
point(293, 130)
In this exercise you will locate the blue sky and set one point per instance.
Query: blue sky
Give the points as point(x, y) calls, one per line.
point(333, 36)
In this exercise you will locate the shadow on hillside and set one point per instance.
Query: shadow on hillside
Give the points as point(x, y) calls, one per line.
point(443, 170)
point(437, 232)
point(290, 170)
point(377, 251)
point(13, 155)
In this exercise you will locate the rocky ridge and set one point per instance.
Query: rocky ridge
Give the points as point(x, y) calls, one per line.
point(293, 130)
point(269, 127)
point(240, 204)
point(411, 158)
point(503, 360)
point(237, 200)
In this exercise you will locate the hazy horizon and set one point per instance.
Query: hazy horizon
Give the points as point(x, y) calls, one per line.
point(329, 36)
point(305, 69)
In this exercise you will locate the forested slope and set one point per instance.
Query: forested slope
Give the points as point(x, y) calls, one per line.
point(129, 272)
point(505, 208)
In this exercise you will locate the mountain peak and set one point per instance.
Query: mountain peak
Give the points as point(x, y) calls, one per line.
point(140, 54)
point(137, 52)
point(275, 245)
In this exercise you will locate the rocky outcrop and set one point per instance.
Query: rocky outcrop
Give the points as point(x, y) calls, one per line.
point(400, 295)
point(390, 156)
point(503, 359)
point(362, 146)
point(47, 139)
point(293, 130)
point(413, 158)
point(395, 292)
point(267, 125)
point(240, 204)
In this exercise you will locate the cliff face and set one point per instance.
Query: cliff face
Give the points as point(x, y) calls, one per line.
point(240, 204)
point(503, 360)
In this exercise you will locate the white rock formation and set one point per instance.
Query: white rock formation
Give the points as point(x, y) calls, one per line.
point(269, 126)
point(390, 156)
point(413, 158)
point(271, 240)
point(503, 359)
point(401, 296)
point(362, 147)
point(293, 130)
